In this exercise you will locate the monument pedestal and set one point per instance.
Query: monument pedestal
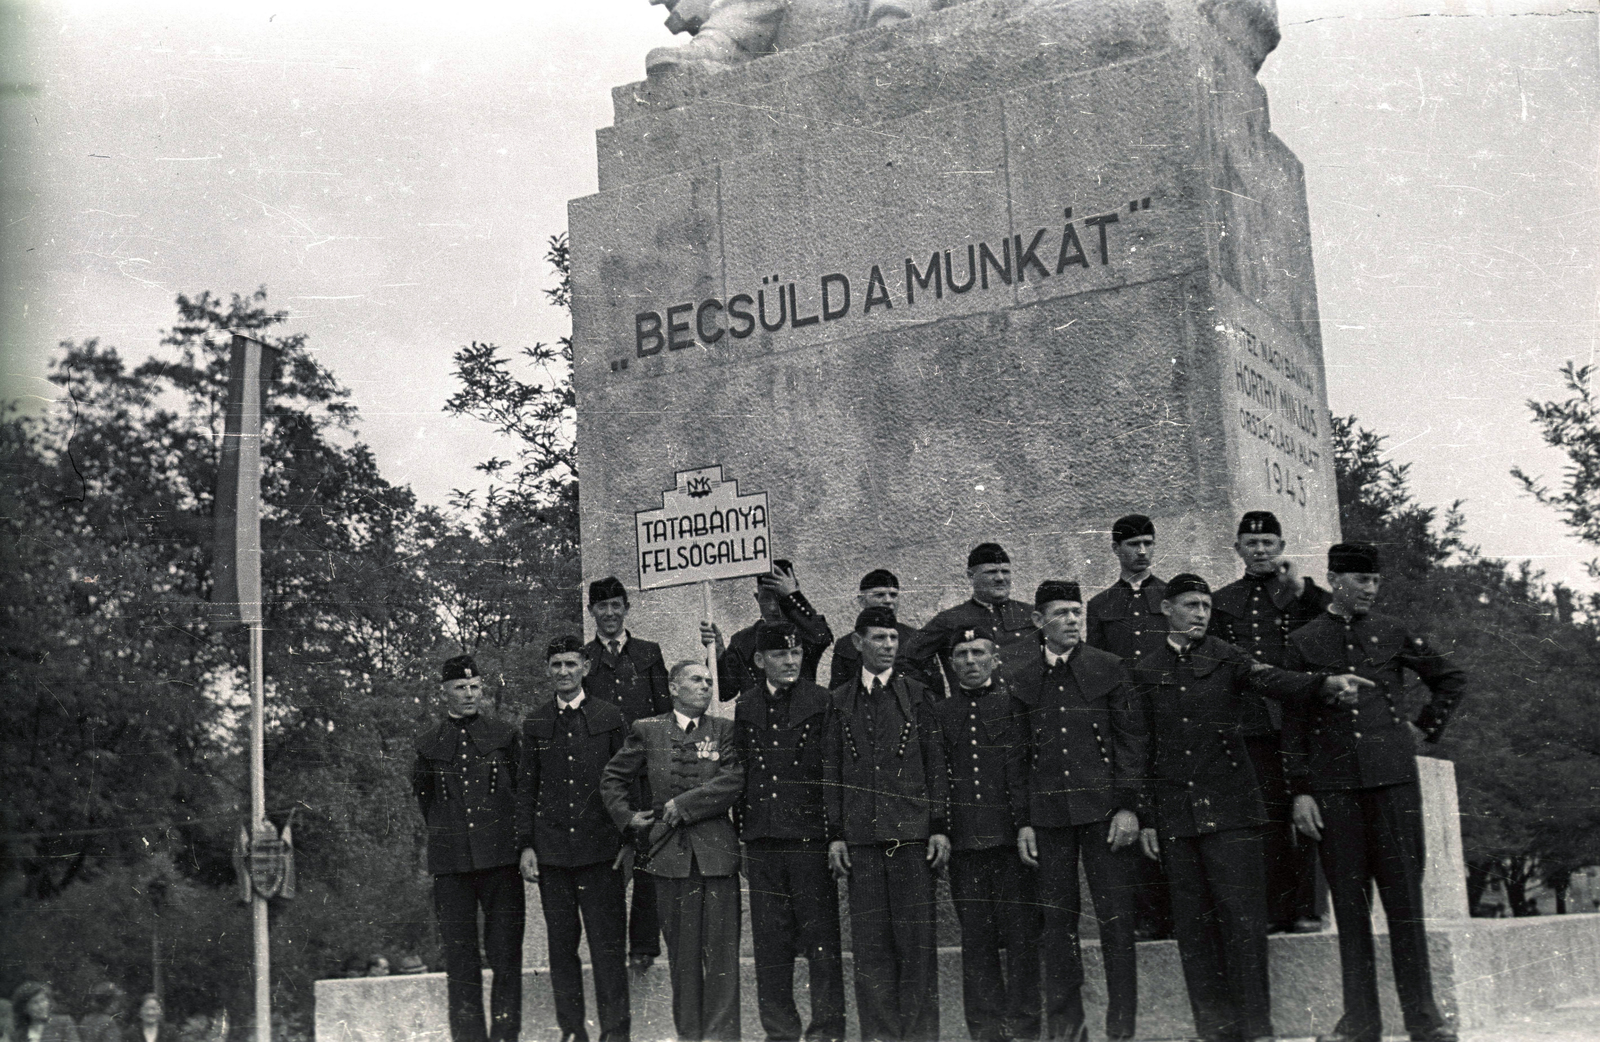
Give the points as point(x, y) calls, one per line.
point(1006, 271)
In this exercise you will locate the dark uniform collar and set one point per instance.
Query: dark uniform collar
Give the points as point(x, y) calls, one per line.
point(1149, 577)
point(1200, 656)
point(1045, 653)
point(977, 693)
point(440, 740)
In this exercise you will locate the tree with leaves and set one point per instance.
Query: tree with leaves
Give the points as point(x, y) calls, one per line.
point(506, 569)
point(122, 741)
point(1573, 426)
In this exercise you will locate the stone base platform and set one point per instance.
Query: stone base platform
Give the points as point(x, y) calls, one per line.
point(1485, 970)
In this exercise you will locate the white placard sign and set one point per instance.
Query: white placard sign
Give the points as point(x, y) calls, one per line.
point(703, 530)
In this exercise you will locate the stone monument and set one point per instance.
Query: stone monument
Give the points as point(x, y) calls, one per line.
point(1001, 271)
point(1004, 269)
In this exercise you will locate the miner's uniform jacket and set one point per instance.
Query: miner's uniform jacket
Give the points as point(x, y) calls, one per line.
point(736, 669)
point(1127, 622)
point(1085, 746)
point(1256, 615)
point(1202, 780)
point(981, 745)
point(1367, 745)
point(465, 781)
point(884, 773)
point(634, 679)
point(701, 772)
point(781, 742)
point(560, 812)
point(1011, 622)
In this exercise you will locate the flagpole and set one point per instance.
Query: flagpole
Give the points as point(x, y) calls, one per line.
point(258, 816)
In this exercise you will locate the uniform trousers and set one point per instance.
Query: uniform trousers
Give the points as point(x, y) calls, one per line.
point(1219, 915)
point(794, 911)
point(1111, 877)
point(997, 903)
point(700, 916)
point(1291, 858)
point(644, 923)
point(457, 896)
point(1376, 835)
point(578, 900)
point(892, 931)
point(1152, 899)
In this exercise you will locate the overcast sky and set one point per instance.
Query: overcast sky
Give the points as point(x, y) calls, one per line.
point(391, 172)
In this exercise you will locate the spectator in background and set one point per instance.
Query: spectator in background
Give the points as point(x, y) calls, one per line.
point(354, 967)
point(377, 966)
point(105, 1021)
point(411, 963)
point(33, 1005)
point(150, 1025)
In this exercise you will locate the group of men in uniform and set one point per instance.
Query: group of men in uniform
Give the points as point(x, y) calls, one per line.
point(1002, 744)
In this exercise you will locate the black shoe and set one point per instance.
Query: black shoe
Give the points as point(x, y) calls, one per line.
point(639, 962)
point(1340, 1035)
point(1442, 1033)
point(1307, 925)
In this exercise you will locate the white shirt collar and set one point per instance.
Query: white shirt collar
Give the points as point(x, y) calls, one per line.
point(683, 721)
point(575, 703)
point(1183, 650)
point(1136, 586)
point(1051, 659)
point(867, 678)
point(621, 639)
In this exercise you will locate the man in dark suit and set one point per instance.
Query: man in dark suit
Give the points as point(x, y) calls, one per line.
point(994, 894)
point(570, 846)
point(465, 781)
point(886, 793)
point(780, 600)
point(781, 724)
point(1077, 794)
point(1256, 614)
point(628, 672)
point(991, 606)
point(1354, 770)
point(1208, 806)
point(880, 588)
point(687, 838)
point(1125, 619)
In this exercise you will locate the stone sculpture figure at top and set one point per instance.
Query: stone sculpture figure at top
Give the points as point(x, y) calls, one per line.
point(730, 32)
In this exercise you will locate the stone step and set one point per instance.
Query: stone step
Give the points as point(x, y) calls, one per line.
point(1485, 970)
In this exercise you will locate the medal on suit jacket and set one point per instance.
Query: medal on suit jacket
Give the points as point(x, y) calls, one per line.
point(706, 749)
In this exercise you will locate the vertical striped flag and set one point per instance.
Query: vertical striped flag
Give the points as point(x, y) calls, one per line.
point(236, 591)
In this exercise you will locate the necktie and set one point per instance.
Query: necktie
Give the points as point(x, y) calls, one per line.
point(689, 727)
point(616, 648)
point(872, 707)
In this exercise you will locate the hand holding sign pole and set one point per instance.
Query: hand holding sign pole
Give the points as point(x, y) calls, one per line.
point(711, 649)
point(704, 530)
